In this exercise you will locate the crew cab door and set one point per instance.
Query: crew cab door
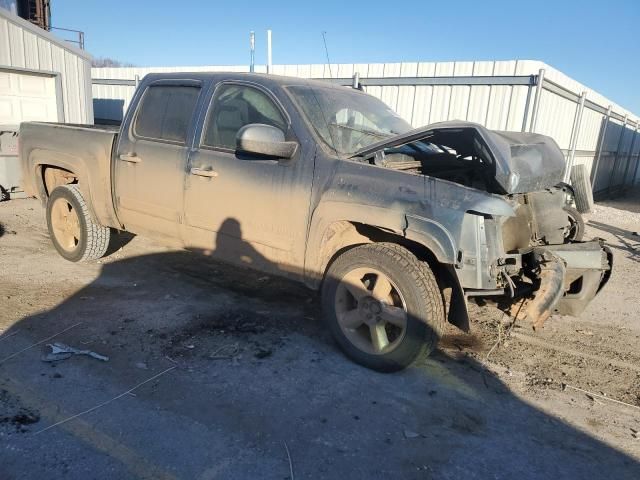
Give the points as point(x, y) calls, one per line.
point(152, 156)
point(244, 208)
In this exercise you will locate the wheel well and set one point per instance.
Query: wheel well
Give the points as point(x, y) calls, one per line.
point(53, 177)
point(348, 235)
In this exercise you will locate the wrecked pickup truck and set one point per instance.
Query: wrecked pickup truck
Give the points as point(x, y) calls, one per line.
point(398, 228)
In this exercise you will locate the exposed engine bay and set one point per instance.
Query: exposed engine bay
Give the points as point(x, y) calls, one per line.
point(457, 155)
point(461, 156)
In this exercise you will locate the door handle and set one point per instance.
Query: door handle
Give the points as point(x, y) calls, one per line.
point(204, 173)
point(130, 157)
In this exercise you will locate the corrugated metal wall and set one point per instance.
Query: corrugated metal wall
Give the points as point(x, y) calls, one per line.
point(25, 46)
point(491, 100)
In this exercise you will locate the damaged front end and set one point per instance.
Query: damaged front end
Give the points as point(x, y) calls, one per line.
point(515, 237)
point(562, 279)
point(542, 270)
point(527, 263)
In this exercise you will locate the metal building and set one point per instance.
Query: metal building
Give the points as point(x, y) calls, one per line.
point(41, 78)
point(520, 95)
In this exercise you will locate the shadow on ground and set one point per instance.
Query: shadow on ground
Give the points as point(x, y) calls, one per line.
point(629, 240)
point(255, 378)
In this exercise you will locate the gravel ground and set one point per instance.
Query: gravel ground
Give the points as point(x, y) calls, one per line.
point(246, 383)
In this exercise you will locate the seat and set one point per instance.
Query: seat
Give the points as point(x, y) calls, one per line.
point(232, 115)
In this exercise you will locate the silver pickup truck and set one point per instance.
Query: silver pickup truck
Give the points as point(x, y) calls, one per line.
point(397, 227)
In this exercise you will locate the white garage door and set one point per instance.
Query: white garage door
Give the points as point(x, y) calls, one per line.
point(25, 96)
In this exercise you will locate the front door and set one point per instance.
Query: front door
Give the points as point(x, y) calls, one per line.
point(243, 208)
point(152, 156)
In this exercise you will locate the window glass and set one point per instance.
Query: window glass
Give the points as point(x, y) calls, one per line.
point(165, 112)
point(347, 120)
point(235, 106)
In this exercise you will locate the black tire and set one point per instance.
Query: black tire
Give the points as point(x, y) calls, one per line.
point(92, 240)
point(576, 231)
point(582, 187)
point(415, 283)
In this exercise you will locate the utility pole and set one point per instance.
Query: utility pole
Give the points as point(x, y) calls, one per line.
point(269, 51)
point(252, 45)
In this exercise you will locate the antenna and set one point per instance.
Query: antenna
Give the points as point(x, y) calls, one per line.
point(326, 50)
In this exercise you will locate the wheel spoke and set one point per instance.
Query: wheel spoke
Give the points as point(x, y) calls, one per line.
point(74, 226)
point(379, 337)
point(382, 288)
point(353, 283)
point(58, 211)
point(65, 224)
point(394, 315)
point(350, 319)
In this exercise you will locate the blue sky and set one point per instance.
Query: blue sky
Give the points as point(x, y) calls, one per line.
point(595, 42)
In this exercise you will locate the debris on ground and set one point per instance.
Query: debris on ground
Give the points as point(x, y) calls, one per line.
point(225, 352)
point(411, 434)
point(60, 351)
point(263, 353)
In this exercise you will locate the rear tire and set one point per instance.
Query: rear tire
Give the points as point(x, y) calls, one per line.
point(383, 306)
point(74, 232)
point(582, 188)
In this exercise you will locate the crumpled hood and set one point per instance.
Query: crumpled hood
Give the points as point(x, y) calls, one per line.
point(523, 162)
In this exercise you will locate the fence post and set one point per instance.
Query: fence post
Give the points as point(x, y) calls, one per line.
point(575, 133)
point(536, 100)
point(615, 159)
point(594, 168)
point(629, 157)
point(635, 170)
point(526, 105)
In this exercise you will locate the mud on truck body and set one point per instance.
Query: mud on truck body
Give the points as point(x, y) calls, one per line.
point(397, 227)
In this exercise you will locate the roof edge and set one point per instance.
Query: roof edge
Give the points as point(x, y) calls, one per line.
point(22, 23)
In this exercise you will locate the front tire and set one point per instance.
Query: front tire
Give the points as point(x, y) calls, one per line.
point(383, 306)
point(74, 232)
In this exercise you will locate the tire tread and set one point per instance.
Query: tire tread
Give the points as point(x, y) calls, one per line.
point(582, 186)
point(98, 236)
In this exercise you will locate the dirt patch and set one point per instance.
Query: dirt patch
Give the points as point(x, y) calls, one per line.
point(14, 418)
point(232, 335)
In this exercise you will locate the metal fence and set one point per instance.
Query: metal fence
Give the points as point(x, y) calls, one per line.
point(510, 95)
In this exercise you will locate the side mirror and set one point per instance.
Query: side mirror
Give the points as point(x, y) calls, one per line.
point(264, 140)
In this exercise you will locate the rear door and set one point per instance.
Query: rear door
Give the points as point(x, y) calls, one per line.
point(244, 208)
point(152, 155)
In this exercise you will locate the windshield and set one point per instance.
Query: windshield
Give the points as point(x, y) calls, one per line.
point(347, 120)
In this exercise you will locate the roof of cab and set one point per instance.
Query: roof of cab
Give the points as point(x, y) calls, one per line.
point(260, 78)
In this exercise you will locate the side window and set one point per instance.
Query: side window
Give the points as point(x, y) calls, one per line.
point(235, 106)
point(165, 112)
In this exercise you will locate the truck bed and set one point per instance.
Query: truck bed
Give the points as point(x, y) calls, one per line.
point(85, 150)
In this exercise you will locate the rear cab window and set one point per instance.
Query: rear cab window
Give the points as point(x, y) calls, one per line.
point(165, 112)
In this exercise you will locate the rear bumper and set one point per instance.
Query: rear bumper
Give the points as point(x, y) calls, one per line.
point(569, 277)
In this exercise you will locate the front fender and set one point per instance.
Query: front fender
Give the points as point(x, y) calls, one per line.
point(432, 235)
point(323, 229)
point(330, 219)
